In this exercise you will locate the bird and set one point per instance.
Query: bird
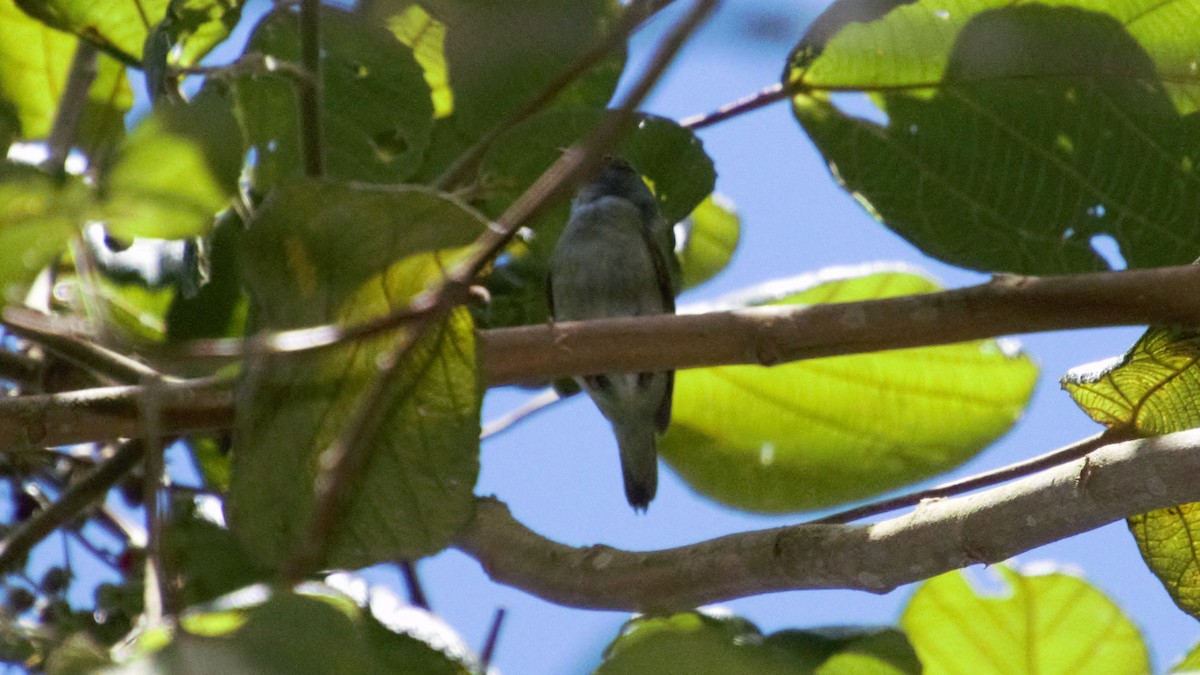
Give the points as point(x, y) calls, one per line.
point(615, 258)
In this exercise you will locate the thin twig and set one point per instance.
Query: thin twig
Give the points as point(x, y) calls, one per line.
point(416, 593)
point(160, 598)
point(310, 91)
point(60, 335)
point(986, 479)
point(769, 95)
point(535, 404)
point(71, 105)
point(74, 500)
point(488, 653)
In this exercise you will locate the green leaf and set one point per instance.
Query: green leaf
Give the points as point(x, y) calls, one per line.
point(699, 643)
point(325, 252)
point(671, 158)
point(173, 174)
point(501, 54)
point(117, 26)
point(1047, 623)
point(377, 115)
point(1153, 390)
point(188, 31)
point(208, 559)
point(314, 630)
point(34, 62)
point(426, 36)
point(1016, 133)
point(711, 237)
point(1167, 540)
point(38, 216)
point(817, 433)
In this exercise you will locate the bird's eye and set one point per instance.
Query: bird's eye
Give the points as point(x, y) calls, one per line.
point(644, 380)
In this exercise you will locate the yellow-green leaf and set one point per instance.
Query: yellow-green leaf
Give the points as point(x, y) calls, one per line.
point(710, 237)
point(817, 433)
point(1044, 624)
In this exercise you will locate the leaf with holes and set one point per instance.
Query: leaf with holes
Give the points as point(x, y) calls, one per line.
point(1049, 622)
point(321, 252)
point(817, 433)
point(377, 115)
point(1016, 134)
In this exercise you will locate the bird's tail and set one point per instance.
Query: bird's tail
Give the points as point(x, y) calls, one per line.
point(639, 462)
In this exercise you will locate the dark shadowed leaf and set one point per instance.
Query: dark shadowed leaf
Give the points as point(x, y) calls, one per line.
point(1015, 134)
point(325, 252)
point(501, 54)
point(700, 643)
point(377, 115)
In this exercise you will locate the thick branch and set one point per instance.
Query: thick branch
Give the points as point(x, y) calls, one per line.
point(1115, 482)
point(778, 334)
point(762, 335)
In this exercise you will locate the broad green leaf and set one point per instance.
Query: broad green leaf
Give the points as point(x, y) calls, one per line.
point(817, 433)
point(34, 62)
point(377, 113)
point(671, 158)
point(710, 237)
point(175, 171)
point(1049, 624)
point(1167, 540)
point(38, 216)
point(117, 26)
point(1153, 390)
point(426, 36)
point(314, 630)
point(1189, 664)
point(699, 643)
point(500, 55)
point(1015, 134)
point(325, 252)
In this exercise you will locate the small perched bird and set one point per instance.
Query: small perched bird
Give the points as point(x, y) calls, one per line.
point(616, 258)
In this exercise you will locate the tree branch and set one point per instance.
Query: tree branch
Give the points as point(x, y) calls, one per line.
point(760, 335)
point(778, 334)
point(1115, 482)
